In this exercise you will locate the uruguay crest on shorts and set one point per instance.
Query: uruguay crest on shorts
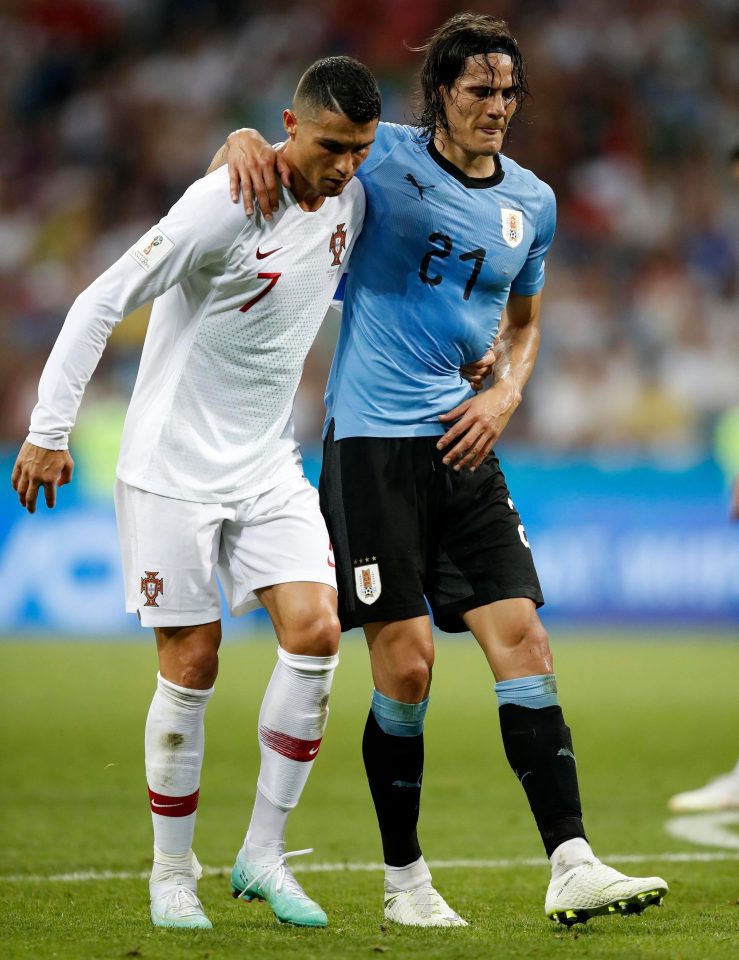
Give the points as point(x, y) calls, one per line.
point(512, 226)
point(367, 582)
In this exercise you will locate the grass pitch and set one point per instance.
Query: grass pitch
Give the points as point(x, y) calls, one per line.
point(649, 718)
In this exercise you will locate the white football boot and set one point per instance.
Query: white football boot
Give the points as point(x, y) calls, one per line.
point(590, 888)
point(174, 899)
point(721, 793)
point(411, 900)
point(422, 907)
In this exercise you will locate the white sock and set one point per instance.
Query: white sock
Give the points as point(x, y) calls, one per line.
point(174, 755)
point(292, 722)
point(410, 877)
point(571, 854)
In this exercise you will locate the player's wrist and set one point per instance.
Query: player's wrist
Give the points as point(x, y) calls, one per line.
point(510, 389)
point(47, 442)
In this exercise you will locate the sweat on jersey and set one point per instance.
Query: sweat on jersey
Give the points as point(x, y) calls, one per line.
point(438, 255)
point(239, 302)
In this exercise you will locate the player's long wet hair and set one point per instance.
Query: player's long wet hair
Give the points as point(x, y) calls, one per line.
point(461, 36)
point(342, 85)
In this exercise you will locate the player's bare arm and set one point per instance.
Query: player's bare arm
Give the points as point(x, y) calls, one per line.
point(36, 467)
point(481, 419)
point(253, 170)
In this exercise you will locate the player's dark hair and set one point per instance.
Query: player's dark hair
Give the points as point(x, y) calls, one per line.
point(342, 85)
point(461, 36)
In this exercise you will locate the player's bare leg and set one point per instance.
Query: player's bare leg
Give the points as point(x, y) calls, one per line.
point(539, 749)
point(402, 658)
point(188, 665)
point(292, 722)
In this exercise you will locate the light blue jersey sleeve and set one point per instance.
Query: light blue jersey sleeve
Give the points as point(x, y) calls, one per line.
point(530, 279)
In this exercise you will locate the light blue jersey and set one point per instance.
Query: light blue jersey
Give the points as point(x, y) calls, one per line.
point(431, 272)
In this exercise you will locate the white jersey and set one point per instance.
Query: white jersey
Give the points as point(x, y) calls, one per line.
point(239, 302)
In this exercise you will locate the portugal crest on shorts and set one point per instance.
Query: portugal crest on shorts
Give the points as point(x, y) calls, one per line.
point(337, 243)
point(512, 225)
point(151, 587)
point(367, 581)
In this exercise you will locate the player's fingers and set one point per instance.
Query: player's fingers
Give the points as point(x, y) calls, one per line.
point(16, 475)
point(470, 454)
point(30, 496)
point(67, 472)
point(22, 488)
point(234, 181)
point(247, 195)
point(458, 411)
point(50, 493)
point(482, 451)
point(271, 186)
point(284, 171)
point(261, 192)
point(477, 366)
point(451, 436)
point(488, 358)
point(463, 446)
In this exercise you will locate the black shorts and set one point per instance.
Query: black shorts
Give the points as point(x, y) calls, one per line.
point(406, 529)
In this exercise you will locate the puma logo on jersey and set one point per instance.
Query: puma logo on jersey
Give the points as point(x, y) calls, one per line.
point(268, 253)
point(419, 186)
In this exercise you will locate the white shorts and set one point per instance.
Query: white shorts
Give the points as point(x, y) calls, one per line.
point(173, 549)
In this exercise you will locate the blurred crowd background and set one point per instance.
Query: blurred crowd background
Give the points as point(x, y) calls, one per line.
point(110, 108)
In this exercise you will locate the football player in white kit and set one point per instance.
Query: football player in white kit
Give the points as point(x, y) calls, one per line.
point(209, 481)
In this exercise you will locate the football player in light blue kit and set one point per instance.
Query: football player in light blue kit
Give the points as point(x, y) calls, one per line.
point(438, 256)
point(415, 501)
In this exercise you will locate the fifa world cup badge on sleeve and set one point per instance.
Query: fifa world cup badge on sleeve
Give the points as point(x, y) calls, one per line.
point(151, 248)
point(512, 225)
point(367, 580)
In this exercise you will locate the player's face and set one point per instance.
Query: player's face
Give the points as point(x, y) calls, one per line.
point(328, 148)
point(481, 103)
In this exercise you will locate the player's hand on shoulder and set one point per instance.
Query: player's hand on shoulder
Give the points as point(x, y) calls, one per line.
point(253, 169)
point(37, 467)
point(476, 425)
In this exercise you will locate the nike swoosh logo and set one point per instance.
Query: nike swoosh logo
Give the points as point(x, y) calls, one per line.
point(261, 256)
point(166, 806)
point(313, 751)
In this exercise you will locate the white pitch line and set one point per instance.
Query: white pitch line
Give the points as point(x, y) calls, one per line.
point(98, 875)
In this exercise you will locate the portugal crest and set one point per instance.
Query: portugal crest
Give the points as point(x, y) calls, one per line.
point(337, 244)
point(151, 587)
point(512, 225)
point(367, 581)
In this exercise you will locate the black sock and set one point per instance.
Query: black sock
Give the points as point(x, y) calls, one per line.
point(539, 749)
point(394, 768)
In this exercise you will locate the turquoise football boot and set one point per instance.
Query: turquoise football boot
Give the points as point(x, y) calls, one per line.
point(275, 883)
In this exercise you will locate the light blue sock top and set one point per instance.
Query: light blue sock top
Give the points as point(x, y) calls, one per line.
point(397, 718)
point(533, 692)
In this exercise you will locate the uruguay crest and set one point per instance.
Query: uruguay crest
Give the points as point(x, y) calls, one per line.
point(512, 226)
point(337, 244)
point(151, 587)
point(367, 582)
